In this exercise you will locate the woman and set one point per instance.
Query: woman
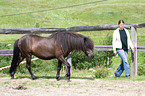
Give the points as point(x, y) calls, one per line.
point(121, 44)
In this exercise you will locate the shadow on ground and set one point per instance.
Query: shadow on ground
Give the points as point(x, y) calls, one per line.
point(53, 77)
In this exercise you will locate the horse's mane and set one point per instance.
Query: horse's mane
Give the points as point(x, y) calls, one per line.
point(72, 41)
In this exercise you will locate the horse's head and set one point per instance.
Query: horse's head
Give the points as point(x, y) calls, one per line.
point(72, 41)
point(89, 47)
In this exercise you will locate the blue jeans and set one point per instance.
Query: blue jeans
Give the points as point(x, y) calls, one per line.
point(124, 64)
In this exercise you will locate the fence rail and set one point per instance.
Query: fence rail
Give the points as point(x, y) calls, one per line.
point(109, 48)
point(9, 52)
point(66, 29)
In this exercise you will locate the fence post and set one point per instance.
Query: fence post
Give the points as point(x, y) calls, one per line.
point(134, 55)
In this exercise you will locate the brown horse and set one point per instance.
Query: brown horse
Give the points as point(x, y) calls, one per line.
point(57, 45)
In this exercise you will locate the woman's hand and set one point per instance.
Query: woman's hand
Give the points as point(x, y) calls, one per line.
point(132, 50)
point(114, 51)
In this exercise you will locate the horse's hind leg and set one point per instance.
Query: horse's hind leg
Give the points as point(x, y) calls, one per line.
point(15, 63)
point(28, 66)
point(14, 70)
point(58, 70)
point(17, 58)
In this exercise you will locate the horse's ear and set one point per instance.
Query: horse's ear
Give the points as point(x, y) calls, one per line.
point(85, 39)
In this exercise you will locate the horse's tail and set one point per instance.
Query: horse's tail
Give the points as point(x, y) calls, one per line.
point(16, 57)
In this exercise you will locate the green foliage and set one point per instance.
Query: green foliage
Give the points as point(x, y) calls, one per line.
point(4, 60)
point(40, 66)
point(101, 58)
point(44, 65)
point(141, 67)
point(80, 61)
point(4, 46)
point(101, 72)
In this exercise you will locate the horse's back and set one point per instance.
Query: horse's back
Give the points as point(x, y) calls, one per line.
point(42, 47)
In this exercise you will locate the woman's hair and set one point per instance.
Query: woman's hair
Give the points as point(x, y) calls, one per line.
point(120, 21)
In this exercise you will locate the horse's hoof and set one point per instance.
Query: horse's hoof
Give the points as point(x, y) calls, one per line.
point(36, 78)
point(12, 78)
point(58, 79)
point(68, 80)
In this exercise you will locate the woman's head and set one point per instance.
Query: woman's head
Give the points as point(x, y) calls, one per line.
point(120, 21)
point(121, 24)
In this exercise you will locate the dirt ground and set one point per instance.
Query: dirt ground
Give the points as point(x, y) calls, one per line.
point(77, 87)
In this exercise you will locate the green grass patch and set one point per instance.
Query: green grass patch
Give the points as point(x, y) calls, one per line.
point(55, 13)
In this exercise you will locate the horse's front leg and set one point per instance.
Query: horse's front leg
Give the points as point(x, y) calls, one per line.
point(68, 67)
point(68, 72)
point(28, 66)
point(58, 70)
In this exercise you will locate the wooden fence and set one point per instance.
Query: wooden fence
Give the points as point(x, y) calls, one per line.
point(70, 29)
point(85, 28)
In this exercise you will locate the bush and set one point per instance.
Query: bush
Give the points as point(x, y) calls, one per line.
point(101, 58)
point(141, 69)
point(141, 66)
point(80, 61)
point(101, 72)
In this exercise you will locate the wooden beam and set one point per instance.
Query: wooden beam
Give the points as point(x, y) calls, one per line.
point(138, 25)
point(9, 52)
point(6, 51)
point(103, 46)
point(6, 54)
point(66, 29)
point(134, 55)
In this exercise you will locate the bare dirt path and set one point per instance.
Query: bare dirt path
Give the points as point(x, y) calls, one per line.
point(77, 87)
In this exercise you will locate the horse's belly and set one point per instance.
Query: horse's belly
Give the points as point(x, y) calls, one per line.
point(45, 56)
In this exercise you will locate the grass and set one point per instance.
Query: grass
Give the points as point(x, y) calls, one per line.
point(60, 13)
point(101, 12)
